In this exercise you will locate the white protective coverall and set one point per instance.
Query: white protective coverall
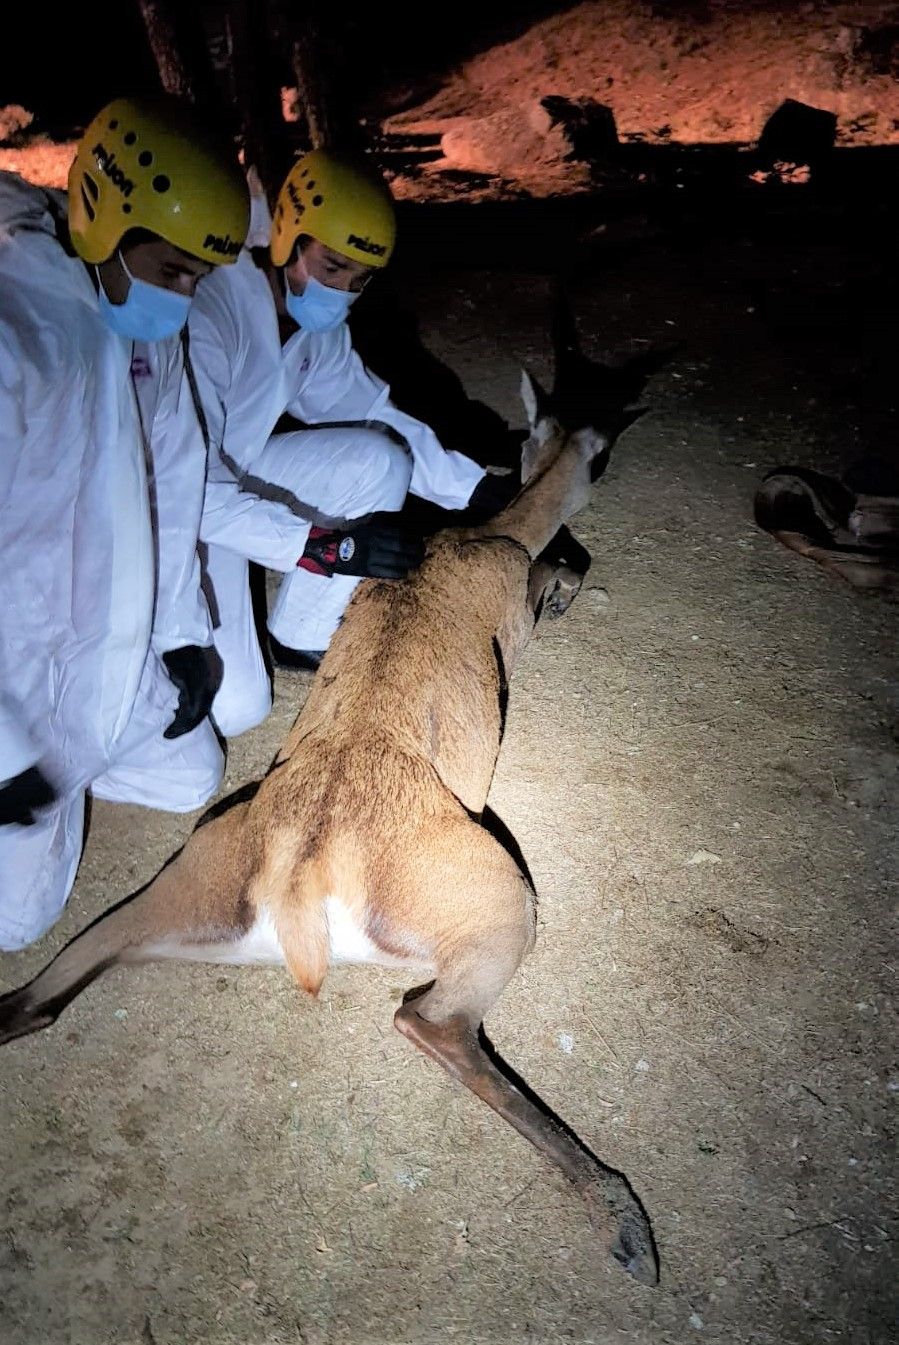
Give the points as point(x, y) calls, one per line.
point(359, 455)
point(98, 558)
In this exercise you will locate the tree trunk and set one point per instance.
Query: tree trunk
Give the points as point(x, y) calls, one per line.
point(332, 119)
point(244, 66)
point(313, 88)
point(163, 38)
point(184, 53)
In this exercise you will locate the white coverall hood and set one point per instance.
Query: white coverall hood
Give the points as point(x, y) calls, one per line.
point(22, 205)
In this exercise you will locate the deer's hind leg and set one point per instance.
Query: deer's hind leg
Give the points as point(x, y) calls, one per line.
point(483, 912)
point(196, 908)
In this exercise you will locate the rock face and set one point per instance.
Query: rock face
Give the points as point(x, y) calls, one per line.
point(533, 137)
point(503, 141)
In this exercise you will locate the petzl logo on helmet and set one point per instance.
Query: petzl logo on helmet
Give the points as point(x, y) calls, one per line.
point(107, 164)
point(366, 245)
point(223, 246)
point(294, 195)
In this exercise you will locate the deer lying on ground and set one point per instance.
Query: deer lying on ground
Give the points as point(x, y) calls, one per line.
point(365, 841)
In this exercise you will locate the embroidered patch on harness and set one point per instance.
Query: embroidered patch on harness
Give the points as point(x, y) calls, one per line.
point(347, 549)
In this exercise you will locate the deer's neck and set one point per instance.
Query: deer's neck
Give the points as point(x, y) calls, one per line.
point(536, 514)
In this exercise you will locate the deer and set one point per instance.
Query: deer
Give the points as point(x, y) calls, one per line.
point(369, 839)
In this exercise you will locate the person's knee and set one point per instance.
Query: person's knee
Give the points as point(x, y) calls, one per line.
point(199, 774)
point(38, 864)
point(176, 775)
point(241, 709)
point(244, 698)
point(383, 469)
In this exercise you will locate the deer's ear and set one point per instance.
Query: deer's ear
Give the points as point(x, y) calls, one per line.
point(542, 446)
point(536, 401)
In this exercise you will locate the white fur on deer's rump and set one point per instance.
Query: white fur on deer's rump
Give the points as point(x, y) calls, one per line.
point(260, 944)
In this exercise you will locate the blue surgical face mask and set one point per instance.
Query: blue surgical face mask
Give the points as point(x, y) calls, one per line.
point(149, 313)
point(320, 308)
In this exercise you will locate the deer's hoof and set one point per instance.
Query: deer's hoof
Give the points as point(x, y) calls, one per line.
point(634, 1249)
point(17, 1019)
point(564, 591)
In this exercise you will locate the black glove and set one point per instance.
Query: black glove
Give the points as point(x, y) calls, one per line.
point(371, 549)
point(197, 673)
point(21, 795)
point(491, 495)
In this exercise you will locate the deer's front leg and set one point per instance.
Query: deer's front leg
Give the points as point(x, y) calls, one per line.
point(557, 575)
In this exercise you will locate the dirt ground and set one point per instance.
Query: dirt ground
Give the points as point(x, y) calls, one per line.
point(706, 72)
point(468, 94)
point(700, 767)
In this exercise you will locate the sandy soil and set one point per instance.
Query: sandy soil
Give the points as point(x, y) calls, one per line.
point(700, 767)
point(700, 74)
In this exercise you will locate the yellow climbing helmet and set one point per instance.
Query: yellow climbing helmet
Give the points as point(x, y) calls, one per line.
point(140, 166)
point(340, 203)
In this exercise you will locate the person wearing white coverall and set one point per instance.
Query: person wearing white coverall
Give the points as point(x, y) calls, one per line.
point(269, 339)
point(107, 669)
